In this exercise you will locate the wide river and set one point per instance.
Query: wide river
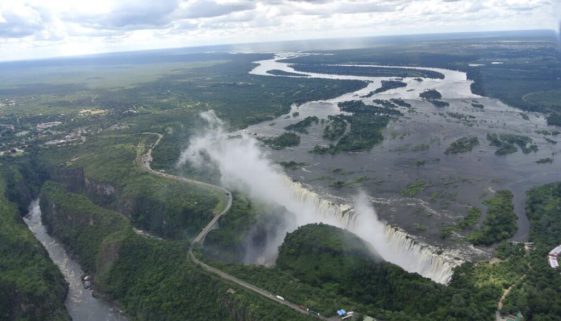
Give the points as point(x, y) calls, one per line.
point(414, 150)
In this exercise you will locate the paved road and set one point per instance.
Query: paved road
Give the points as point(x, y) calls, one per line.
point(250, 287)
point(144, 161)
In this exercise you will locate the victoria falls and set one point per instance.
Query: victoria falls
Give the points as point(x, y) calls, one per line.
point(280, 160)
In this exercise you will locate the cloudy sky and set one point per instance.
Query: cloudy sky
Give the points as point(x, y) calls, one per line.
point(45, 28)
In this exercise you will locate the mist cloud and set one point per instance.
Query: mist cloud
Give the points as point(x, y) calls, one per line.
point(245, 166)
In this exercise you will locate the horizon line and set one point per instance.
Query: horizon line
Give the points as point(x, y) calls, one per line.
point(254, 43)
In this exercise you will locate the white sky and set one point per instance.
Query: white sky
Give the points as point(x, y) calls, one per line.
point(44, 28)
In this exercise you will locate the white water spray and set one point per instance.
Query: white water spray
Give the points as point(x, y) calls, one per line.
point(244, 166)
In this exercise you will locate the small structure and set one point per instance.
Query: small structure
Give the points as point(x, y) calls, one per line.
point(87, 281)
point(43, 126)
point(517, 317)
point(553, 257)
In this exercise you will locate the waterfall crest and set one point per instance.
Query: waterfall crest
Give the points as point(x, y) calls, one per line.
point(393, 244)
point(245, 166)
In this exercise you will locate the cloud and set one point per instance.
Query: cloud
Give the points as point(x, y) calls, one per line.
point(131, 14)
point(139, 24)
point(18, 20)
point(206, 9)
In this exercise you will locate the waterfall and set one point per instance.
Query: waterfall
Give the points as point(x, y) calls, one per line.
point(245, 166)
point(396, 246)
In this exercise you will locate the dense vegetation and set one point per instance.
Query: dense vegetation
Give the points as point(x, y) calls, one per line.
point(335, 127)
point(292, 165)
point(154, 280)
point(434, 97)
point(359, 107)
point(31, 286)
point(282, 141)
point(538, 294)
point(431, 94)
point(400, 102)
point(227, 242)
point(462, 145)
point(554, 119)
point(506, 143)
point(302, 126)
point(414, 188)
point(151, 279)
point(99, 178)
point(500, 222)
point(467, 222)
point(477, 105)
point(366, 125)
point(277, 72)
point(526, 73)
point(367, 71)
point(162, 95)
point(326, 268)
point(105, 171)
point(387, 85)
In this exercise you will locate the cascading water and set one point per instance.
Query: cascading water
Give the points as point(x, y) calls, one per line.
point(244, 166)
point(393, 244)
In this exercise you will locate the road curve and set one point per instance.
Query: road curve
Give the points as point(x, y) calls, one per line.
point(144, 161)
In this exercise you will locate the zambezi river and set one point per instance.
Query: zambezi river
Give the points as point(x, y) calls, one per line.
point(80, 303)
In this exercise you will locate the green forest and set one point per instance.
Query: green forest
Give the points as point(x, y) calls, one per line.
point(94, 193)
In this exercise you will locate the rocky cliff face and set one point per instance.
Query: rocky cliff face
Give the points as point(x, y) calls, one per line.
point(31, 286)
point(76, 181)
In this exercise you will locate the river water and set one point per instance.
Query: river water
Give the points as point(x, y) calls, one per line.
point(80, 303)
point(414, 149)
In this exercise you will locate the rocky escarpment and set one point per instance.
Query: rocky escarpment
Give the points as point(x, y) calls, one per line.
point(31, 287)
point(79, 224)
point(151, 203)
point(76, 181)
point(149, 278)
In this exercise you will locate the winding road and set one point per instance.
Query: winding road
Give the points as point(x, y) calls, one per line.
point(144, 162)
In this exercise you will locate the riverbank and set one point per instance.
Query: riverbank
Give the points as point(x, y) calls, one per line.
point(414, 152)
point(80, 301)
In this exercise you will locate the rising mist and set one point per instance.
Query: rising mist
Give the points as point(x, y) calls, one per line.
point(245, 166)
